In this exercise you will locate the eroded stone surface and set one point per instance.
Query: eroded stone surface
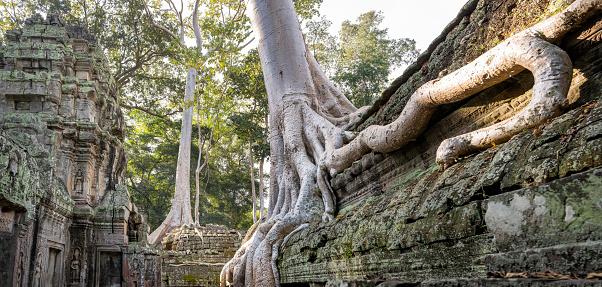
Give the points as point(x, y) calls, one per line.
point(538, 215)
point(535, 196)
point(65, 211)
point(195, 255)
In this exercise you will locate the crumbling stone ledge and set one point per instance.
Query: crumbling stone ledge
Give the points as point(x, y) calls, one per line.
point(530, 204)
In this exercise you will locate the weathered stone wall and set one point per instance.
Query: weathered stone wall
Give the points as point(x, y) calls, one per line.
point(195, 255)
point(528, 205)
point(64, 210)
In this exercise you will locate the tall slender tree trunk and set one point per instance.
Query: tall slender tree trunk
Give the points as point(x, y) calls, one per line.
point(180, 209)
point(197, 172)
point(180, 212)
point(261, 163)
point(252, 170)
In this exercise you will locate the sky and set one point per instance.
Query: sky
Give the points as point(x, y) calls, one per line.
point(421, 20)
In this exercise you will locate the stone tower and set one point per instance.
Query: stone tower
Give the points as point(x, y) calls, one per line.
point(64, 211)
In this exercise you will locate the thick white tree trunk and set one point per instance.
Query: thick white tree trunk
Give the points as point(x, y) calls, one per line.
point(306, 113)
point(308, 119)
point(261, 163)
point(180, 208)
point(252, 170)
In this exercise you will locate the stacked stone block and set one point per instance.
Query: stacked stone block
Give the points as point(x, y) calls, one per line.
point(195, 255)
point(64, 209)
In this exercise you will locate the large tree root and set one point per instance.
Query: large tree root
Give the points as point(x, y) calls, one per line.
point(550, 65)
point(298, 201)
point(530, 49)
point(309, 118)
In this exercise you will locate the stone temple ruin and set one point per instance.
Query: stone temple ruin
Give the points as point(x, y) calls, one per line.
point(66, 219)
point(195, 255)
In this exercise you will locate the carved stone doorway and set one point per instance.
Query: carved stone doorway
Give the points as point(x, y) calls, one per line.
point(110, 269)
point(53, 271)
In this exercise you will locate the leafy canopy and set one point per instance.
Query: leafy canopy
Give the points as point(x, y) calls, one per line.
point(360, 59)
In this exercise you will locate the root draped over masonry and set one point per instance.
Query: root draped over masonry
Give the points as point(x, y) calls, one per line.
point(309, 119)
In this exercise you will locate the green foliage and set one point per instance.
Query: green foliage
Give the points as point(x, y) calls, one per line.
point(366, 57)
point(360, 59)
point(306, 9)
point(150, 176)
point(12, 15)
point(248, 89)
point(321, 43)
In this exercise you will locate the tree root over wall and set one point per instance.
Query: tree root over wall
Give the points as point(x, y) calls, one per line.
point(309, 119)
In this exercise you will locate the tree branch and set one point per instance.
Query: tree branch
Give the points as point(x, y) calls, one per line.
point(154, 24)
point(247, 43)
point(195, 25)
point(237, 17)
point(120, 78)
point(142, 109)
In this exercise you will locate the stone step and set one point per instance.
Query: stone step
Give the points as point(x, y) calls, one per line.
point(578, 258)
point(494, 282)
point(460, 282)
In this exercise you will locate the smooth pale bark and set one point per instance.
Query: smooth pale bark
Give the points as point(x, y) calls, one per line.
point(309, 117)
point(180, 209)
point(252, 170)
point(180, 212)
point(261, 163)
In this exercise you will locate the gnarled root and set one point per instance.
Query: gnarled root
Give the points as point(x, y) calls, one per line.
point(178, 215)
point(552, 70)
point(302, 136)
point(530, 49)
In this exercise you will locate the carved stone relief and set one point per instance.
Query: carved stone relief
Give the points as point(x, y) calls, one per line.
point(7, 220)
point(75, 265)
point(78, 182)
point(63, 153)
point(20, 268)
point(77, 258)
point(40, 267)
point(53, 227)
